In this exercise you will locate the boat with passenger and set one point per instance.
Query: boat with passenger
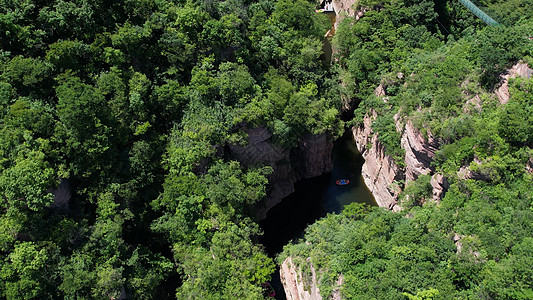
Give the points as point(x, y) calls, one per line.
point(342, 182)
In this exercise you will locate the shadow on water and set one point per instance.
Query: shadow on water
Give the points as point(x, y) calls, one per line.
point(313, 199)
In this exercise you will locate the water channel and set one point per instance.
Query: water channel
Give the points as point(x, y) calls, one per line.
point(313, 199)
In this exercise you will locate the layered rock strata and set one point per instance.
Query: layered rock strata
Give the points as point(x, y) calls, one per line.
point(379, 171)
point(381, 174)
point(439, 185)
point(300, 286)
point(419, 152)
point(520, 69)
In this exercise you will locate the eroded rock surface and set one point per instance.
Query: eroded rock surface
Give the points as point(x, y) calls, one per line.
point(312, 157)
point(344, 8)
point(521, 69)
point(379, 171)
point(440, 185)
point(419, 152)
point(297, 285)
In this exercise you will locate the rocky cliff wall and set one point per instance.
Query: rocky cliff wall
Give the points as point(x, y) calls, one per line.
point(304, 286)
point(381, 174)
point(312, 157)
point(419, 152)
point(520, 69)
point(345, 8)
point(296, 286)
point(379, 171)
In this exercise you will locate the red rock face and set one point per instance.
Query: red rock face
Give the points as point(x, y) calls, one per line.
point(440, 186)
point(419, 152)
point(381, 173)
point(295, 288)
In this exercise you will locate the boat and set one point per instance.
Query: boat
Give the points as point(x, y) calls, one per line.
point(342, 182)
point(320, 10)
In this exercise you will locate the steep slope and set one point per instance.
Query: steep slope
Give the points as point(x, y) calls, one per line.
point(448, 148)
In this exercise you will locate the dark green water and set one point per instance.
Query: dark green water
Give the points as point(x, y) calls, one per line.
point(313, 199)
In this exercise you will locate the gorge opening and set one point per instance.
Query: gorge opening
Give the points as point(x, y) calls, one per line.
point(313, 199)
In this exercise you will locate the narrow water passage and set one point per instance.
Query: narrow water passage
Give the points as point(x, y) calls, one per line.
point(313, 199)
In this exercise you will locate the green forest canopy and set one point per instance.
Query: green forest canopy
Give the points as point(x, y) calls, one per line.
point(130, 103)
point(133, 101)
point(476, 243)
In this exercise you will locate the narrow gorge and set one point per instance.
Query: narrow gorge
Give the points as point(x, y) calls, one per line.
point(259, 149)
point(387, 176)
point(386, 179)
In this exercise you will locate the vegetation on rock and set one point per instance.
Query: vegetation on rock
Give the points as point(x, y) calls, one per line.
point(133, 102)
point(475, 243)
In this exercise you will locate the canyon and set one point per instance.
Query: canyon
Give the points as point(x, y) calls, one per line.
point(382, 174)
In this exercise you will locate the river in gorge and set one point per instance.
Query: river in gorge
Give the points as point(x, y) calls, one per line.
point(313, 199)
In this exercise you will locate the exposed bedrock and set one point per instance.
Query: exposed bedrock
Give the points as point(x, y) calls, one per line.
point(300, 285)
point(382, 174)
point(419, 152)
point(345, 8)
point(379, 171)
point(520, 69)
point(440, 185)
point(311, 158)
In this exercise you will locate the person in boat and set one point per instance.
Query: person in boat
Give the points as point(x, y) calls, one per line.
point(342, 182)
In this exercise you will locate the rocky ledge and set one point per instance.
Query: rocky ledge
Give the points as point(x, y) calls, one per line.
point(379, 171)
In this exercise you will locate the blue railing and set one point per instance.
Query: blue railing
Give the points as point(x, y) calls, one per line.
point(479, 13)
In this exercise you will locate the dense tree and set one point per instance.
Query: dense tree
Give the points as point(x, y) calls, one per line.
point(129, 106)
